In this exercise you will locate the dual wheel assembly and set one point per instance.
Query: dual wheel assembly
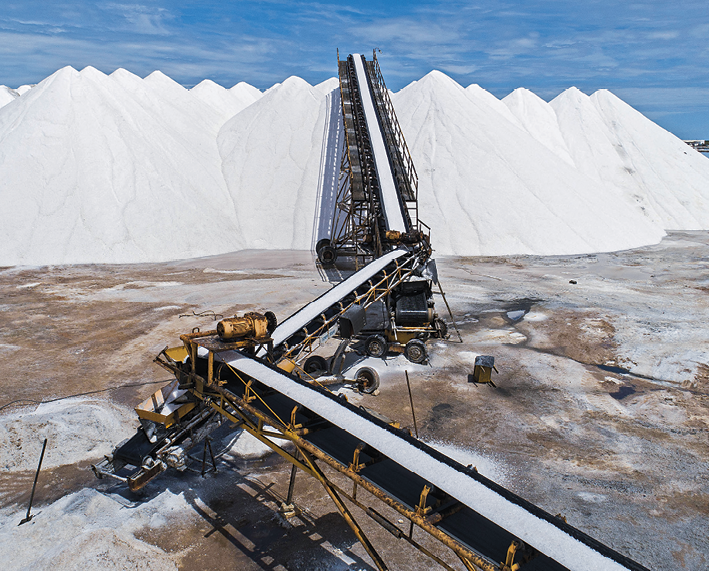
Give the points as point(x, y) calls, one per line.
point(377, 346)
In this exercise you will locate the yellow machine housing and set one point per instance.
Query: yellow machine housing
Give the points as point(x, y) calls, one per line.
point(250, 325)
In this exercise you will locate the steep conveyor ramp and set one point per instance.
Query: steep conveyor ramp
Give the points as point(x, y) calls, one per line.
point(390, 199)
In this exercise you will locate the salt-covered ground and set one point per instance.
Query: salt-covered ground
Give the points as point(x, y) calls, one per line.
point(115, 168)
point(600, 412)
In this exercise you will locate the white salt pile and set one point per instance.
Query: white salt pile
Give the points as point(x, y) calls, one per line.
point(228, 102)
point(7, 95)
point(487, 187)
point(615, 144)
point(97, 168)
point(76, 429)
point(90, 530)
point(271, 161)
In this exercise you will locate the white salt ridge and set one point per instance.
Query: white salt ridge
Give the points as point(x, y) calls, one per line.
point(271, 162)
point(618, 146)
point(121, 170)
point(90, 530)
point(488, 100)
point(328, 85)
point(487, 187)
point(118, 169)
point(538, 118)
point(76, 429)
point(228, 102)
point(7, 95)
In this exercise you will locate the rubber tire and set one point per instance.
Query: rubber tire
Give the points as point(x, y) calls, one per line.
point(441, 328)
point(415, 351)
point(367, 380)
point(315, 364)
point(376, 346)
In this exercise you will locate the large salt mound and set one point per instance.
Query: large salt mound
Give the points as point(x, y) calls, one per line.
point(487, 187)
point(271, 156)
point(7, 95)
point(110, 169)
point(615, 144)
point(228, 102)
point(477, 93)
point(538, 118)
point(121, 169)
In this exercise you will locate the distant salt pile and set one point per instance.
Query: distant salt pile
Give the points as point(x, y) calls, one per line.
point(615, 144)
point(486, 187)
point(97, 168)
point(7, 95)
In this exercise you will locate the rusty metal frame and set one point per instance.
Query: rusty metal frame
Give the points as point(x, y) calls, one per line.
point(253, 420)
point(352, 220)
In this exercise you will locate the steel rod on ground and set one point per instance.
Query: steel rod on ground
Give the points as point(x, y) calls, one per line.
point(28, 517)
point(411, 400)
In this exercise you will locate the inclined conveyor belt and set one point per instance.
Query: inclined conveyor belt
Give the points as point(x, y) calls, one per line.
point(491, 517)
point(323, 305)
point(391, 201)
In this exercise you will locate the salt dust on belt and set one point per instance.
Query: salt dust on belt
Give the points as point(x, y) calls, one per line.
point(123, 169)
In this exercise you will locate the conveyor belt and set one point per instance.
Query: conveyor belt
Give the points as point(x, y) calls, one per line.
point(391, 202)
point(319, 317)
point(491, 516)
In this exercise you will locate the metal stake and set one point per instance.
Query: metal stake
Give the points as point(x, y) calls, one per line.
point(440, 288)
point(29, 517)
point(411, 400)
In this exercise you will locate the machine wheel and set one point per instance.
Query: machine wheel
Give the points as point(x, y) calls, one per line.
point(415, 351)
point(367, 380)
point(441, 328)
point(315, 365)
point(272, 321)
point(376, 346)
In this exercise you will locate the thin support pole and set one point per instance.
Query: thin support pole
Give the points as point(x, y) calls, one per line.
point(291, 485)
point(208, 445)
point(29, 517)
point(468, 564)
point(449, 311)
point(342, 507)
point(411, 400)
point(211, 454)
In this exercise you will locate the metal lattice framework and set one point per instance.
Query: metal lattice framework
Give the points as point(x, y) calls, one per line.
point(359, 229)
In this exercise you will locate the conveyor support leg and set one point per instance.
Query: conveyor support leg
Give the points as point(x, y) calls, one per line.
point(359, 532)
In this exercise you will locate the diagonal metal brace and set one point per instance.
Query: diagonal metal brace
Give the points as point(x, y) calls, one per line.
point(359, 532)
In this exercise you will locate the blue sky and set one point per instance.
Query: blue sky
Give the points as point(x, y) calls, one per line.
point(653, 54)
